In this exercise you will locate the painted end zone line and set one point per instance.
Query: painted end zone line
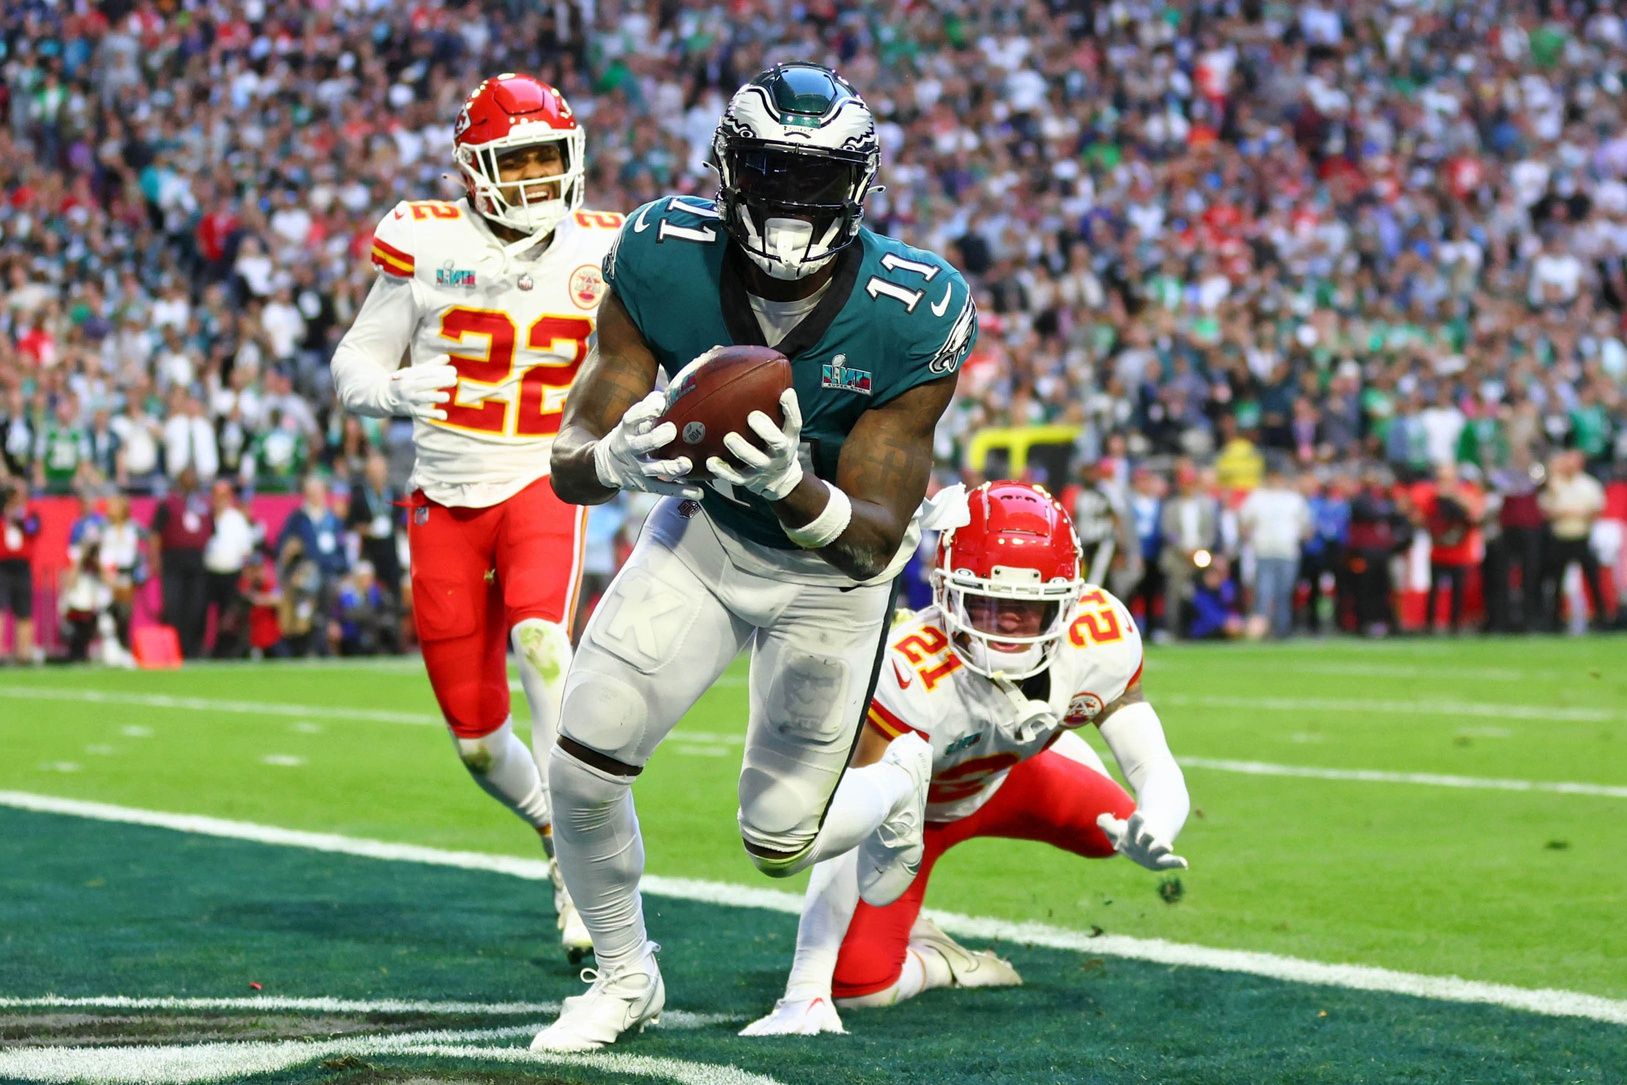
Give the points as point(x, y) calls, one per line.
point(1549, 1002)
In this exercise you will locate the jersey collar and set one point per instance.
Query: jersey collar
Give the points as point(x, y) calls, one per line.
point(742, 324)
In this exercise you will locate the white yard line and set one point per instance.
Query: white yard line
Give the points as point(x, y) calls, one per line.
point(1367, 706)
point(1549, 1002)
point(1429, 779)
point(176, 1064)
point(677, 1019)
point(721, 743)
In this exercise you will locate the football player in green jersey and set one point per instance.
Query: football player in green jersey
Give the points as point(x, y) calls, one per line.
point(790, 550)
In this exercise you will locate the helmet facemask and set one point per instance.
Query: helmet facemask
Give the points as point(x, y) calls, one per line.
point(791, 208)
point(506, 202)
point(970, 605)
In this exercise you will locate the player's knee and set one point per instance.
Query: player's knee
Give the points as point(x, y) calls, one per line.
point(478, 752)
point(779, 819)
point(604, 712)
point(543, 646)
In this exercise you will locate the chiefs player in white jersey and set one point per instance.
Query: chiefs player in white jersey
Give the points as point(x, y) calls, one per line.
point(1015, 653)
point(494, 299)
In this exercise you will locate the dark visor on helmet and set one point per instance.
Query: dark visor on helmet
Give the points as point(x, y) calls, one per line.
point(773, 175)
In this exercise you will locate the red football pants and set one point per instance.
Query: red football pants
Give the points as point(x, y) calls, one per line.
point(476, 573)
point(1049, 798)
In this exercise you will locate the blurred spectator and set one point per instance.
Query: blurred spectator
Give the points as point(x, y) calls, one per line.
point(1514, 580)
point(1378, 531)
point(124, 561)
point(1451, 509)
point(230, 548)
point(319, 561)
point(189, 439)
point(1146, 517)
point(374, 518)
point(18, 529)
point(1216, 614)
point(104, 450)
point(1571, 501)
point(1100, 521)
point(86, 603)
point(368, 621)
point(181, 527)
point(1190, 531)
point(63, 450)
point(1322, 554)
point(1275, 521)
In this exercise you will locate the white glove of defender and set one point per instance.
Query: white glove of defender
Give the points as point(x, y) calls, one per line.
point(1133, 840)
point(621, 458)
point(798, 1017)
point(773, 473)
point(419, 390)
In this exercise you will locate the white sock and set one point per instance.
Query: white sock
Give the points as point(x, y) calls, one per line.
point(827, 909)
point(504, 769)
point(916, 976)
point(864, 799)
point(600, 855)
point(543, 652)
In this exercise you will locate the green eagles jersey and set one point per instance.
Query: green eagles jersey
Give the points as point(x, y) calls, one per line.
point(893, 317)
point(62, 449)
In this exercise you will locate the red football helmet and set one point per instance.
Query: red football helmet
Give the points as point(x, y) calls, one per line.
point(510, 111)
point(1018, 544)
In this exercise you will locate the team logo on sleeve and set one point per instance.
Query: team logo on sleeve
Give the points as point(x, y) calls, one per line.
point(1082, 709)
point(587, 286)
point(837, 374)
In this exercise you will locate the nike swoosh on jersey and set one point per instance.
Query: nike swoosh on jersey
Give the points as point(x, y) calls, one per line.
point(639, 225)
point(942, 304)
point(903, 678)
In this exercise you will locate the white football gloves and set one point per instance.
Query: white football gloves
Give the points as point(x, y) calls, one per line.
point(798, 1017)
point(773, 473)
point(621, 458)
point(1133, 840)
point(419, 390)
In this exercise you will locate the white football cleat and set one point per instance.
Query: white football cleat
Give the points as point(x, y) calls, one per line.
point(620, 1001)
point(573, 933)
point(890, 857)
point(798, 1017)
point(967, 967)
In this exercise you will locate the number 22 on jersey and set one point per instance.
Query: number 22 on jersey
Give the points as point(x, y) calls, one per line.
point(558, 342)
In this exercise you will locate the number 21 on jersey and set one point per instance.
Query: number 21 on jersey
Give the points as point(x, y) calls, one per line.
point(559, 343)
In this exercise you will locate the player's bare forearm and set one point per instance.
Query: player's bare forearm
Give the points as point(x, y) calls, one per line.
point(886, 462)
point(618, 372)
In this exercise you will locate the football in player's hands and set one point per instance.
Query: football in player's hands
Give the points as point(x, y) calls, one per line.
point(712, 396)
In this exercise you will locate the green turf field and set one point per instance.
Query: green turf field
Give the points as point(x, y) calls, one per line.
point(1423, 809)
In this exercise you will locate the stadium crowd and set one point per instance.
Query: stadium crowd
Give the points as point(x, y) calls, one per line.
point(1312, 294)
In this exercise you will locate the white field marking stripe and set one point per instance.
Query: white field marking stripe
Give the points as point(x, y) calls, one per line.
point(1459, 709)
point(1555, 1003)
point(179, 1064)
point(211, 704)
point(1488, 709)
point(678, 1019)
point(1385, 670)
point(1260, 768)
point(691, 739)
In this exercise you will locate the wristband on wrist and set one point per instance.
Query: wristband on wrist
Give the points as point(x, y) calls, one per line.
point(828, 526)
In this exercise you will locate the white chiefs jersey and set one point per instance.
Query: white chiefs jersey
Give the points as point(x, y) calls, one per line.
point(515, 326)
point(980, 728)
